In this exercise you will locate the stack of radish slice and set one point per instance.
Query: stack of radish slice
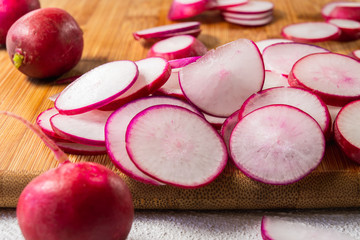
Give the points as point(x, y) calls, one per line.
point(341, 9)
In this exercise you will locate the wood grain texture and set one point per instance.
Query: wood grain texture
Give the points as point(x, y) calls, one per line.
point(108, 27)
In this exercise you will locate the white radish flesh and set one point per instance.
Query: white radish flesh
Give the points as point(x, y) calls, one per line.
point(252, 7)
point(192, 32)
point(228, 126)
point(356, 54)
point(223, 4)
point(181, 9)
point(176, 146)
point(172, 87)
point(244, 16)
point(273, 79)
point(350, 29)
point(216, 122)
point(262, 44)
point(250, 22)
point(80, 149)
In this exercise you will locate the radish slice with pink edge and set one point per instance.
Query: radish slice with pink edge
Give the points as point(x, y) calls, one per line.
point(277, 144)
point(178, 47)
point(262, 44)
point(273, 79)
point(80, 149)
point(311, 32)
point(223, 4)
point(115, 131)
point(193, 32)
point(86, 128)
point(347, 130)
point(243, 16)
point(175, 146)
point(182, 62)
point(341, 9)
point(97, 87)
point(216, 122)
point(252, 7)
point(218, 83)
point(356, 54)
point(43, 120)
point(181, 9)
point(172, 87)
point(296, 97)
point(333, 110)
point(335, 78)
point(283, 228)
point(280, 57)
point(228, 126)
point(250, 22)
point(153, 73)
point(350, 29)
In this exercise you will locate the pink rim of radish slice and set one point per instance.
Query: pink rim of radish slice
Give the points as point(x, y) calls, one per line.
point(223, 4)
point(153, 73)
point(250, 22)
point(283, 228)
point(252, 7)
point(181, 9)
point(80, 149)
point(311, 32)
point(172, 87)
point(296, 97)
point(86, 128)
point(356, 54)
point(262, 44)
point(115, 131)
point(273, 79)
point(242, 16)
point(218, 83)
point(97, 87)
point(347, 130)
point(178, 47)
point(176, 146)
point(280, 57)
point(182, 62)
point(335, 78)
point(228, 126)
point(277, 144)
point(341, 9)
point(350, 29)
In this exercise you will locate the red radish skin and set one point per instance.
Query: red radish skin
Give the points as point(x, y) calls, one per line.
point(45, 43)
point(182, 9)
point(350, 29)
point(12, 10)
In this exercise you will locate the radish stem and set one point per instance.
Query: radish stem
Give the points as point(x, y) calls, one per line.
point(18, 59)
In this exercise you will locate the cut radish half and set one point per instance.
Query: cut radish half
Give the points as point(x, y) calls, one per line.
point(175, 146)
point(153, 73)
point(228, 126)
point(250, 22)
point(277, 144)
point(97, 87)
point(243, 16)
point(172, 87)
point(115, 130)
point(86, 128)
point(311, 32)
point(182, 62)
point(252, 7)
point(218, 83)
point(262, 44)
point(223, 4)
point(273, 79)
point(350, 29)
point(356, 54)
point(342, 9)
point(280, 228)
point(178, 47)
point(347, 130)
point(80, 149)
point(333, 77)
point(296, 97)
point(280, 57)
point(181, 9)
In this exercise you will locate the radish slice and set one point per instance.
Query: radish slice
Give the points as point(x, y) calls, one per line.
point(181, 9)
point(97, 87)
point(333, 110)
point(216, 122)
point(296, 97)
point(178, 47)
point(250, 22)
point(228, 126)
point(218, 83)
point(350, 29)
point(192, 32)
point(153, 73)
point(115, 130)
point(252, 7)
point(80, 149)
point(277, 144)
point(276, 228)
point(243, 16)
point(43, 120)
point(86, 128)
point(273, 79)
point(347, 130)
point(66, 80)
point(182, 62)
point(311, 32)
point(262, 44)
point(172, 87)
point(333, 77)
point(223, 4)
point(342, 9)
point(175, 146)
point(356, 54)
point(280, 57)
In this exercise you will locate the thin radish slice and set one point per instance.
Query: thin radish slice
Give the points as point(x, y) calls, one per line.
point(280, 57)
point(86, 128)
point(216, 122)
point(341, 9)
point(296, 97)
point(273, 79)
point(43, 120)
point(178, 47)
point(333, 77)
point(223, 75)
point(250, 22)
point(242, 16)
point(252, 7)
point(97, 87)
point(175, 146)
point(115, 131)
point(280, 228)
point(193, 32)
point(333, 110)
point(181, 9)
point(228, 126)
point(153, 73)
point(172, 87)
point(277, 144)
point(347, 130)
point(223, 4)
point(80, 149)
point(182, 62)
point(311, 32)
point(356, 54)
point(350, 29)
point(262, 44)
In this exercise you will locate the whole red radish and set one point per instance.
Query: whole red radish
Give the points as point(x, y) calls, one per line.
point(45, 43)
point(12, 10)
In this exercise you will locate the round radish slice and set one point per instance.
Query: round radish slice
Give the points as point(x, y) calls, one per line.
point(216, 122)
point(311, 32)
point(262, 44)
point(243, 16)
point(43, 120)
point(178, 47)
point(296, 97)
point(175, 146)
point(97, 87)
point(115, 130)
point(181, 9)
point(347, 130)
point(342, 9)
point(80, 149)
point(182, 62)
point(86, 128)
point(280, 57)
point(252, 7)
point(250, 22)
point(350, 29)
point(228, 126)
point(218, 83)
point(277, 144)
point(333, 77)
point(172, 86)
point(356, 54)
point(273, 79)
point(223, 4)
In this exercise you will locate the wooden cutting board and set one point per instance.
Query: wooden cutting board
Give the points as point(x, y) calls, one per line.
point(108, 27)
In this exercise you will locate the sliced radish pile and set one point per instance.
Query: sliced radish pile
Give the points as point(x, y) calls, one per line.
point(175, 146)
point(296, 97)
point(276, 228)
point(356, 54)
point(223, 4)
point(181, 9)
point(262, 44)
point(182, 62)
point(115, 130)
point(178, 47)
point(311, 32)
point(280, 57)
point(273, 79)
point(172, 86)
point(350, 29)
point(218, 83)
point(333, 77)
point(250, 22)
point(347, 130)
point(277, 144)
point(80, 149)
point(342, 9)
